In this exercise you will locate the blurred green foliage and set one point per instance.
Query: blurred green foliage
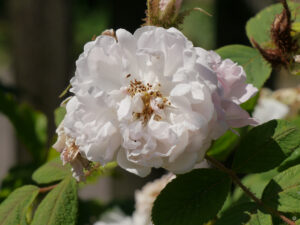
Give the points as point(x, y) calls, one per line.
point(59, 114)
point(5, 43)
point(16, 177)
point(30, 126)
point(89, 18)
point(199, 27)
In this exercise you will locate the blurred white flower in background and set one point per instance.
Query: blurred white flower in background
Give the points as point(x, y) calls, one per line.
point(115, 217)
point(279, 104)
point(151, 99)
point(144, 202)
point(145, 199)
point(269, 109)
point(288, 96)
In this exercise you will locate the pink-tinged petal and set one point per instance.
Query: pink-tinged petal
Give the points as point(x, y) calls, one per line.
point(237, 117)
point(232, 78)
point(243, 93)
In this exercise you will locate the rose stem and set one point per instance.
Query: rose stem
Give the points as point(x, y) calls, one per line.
point(236, 180)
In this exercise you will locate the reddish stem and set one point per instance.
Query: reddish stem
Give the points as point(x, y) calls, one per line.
point(46, 189)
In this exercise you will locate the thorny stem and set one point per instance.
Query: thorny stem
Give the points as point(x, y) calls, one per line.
point(88, 173)
point(236, 180)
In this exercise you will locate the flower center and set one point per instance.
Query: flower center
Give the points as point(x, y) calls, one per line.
point(152, 98)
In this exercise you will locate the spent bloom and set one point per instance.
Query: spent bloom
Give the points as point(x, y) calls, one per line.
point(151, 99)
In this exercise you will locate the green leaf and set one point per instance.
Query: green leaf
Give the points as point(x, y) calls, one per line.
point(256, 183)
point(292, 160)
point(256, 68)
point(259, 26)
point(59, 207)
point(223, 146)
point(195, 197)
point(14, 209)
point(246, 213)
point(59, 115)
point(52, 154)
point(266, 146)
point(283, 191)
point(51, 171)
point(30, 126)
point(207, 24)
point(260, 218)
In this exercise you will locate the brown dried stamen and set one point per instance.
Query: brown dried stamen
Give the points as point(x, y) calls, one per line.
point(148, 93)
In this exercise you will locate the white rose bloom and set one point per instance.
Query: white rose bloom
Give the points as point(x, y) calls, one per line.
point(151, 99)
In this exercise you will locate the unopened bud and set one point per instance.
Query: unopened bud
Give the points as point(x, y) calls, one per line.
point(167, 13)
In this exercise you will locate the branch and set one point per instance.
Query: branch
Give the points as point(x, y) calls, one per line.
point(46, 189)
point(236, 180)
